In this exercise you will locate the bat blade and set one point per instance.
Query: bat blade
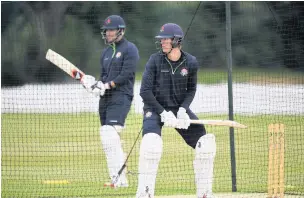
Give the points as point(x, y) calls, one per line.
point(228, 123)
point(64, 64)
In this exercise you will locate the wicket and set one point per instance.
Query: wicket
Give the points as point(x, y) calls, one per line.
point(276, 161)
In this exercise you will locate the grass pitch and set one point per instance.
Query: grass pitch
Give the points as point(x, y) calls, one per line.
point(66, 148)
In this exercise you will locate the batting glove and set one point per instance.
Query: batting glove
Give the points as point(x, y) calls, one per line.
point(87, 82)
point(169, 119)
point(183, 118)
point(98, 89)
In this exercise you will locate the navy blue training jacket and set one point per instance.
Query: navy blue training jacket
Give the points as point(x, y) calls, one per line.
point(167, 84)
point(118, 64)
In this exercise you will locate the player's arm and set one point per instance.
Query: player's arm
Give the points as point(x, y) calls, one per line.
point(92, 85)
point(191, 85)
point(102, 69)
point(146, 89)
point(128, 70)
point(146, 92)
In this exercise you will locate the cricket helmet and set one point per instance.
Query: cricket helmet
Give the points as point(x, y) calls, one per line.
point(113, 22)
point(173, 31)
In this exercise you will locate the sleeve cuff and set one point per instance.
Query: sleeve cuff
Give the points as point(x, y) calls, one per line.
point(160, 110)
point(185, 106)
point(110, 85)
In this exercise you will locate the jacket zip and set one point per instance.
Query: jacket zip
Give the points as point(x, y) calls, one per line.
point(114, 49)
point(174, 70)
point(110, 62)
point(172, 78)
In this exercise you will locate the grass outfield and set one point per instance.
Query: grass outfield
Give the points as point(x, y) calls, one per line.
point(253, 75)
point(60, 155)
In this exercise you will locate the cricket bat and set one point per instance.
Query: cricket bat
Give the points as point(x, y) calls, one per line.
point(64, 64)
point(228, 123)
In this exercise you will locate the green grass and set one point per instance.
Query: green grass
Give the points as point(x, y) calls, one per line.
point(39, 147)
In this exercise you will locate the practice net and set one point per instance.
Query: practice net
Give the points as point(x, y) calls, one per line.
point(50, 135)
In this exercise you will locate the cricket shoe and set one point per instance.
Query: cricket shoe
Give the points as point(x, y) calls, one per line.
point(208, 195)
point(117, 182)
point(145, 195)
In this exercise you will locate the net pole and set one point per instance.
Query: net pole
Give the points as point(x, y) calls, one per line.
point(230, 94)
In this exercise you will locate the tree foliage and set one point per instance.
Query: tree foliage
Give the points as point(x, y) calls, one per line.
point(263, 34)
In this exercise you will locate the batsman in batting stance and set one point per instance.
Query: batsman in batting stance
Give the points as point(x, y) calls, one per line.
point(168, 88)
point(115, 88)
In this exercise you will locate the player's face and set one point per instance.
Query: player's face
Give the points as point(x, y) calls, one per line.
point(111, 35)
point(166, 45)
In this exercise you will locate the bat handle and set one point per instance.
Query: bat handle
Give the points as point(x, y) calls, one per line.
point(197, 122)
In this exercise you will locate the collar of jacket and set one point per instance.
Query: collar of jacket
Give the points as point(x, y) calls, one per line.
point(183, 55)
point(122, 40)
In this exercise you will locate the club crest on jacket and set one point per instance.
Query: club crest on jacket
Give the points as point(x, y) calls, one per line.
point(118, 54)
point(148, 114)
point(184, 72)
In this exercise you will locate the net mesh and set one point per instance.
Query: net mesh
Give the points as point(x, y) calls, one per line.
point(50, 138)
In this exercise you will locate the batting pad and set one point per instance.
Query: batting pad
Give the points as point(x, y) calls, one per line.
point(150, 154)
point(114, 154)
point(205, 151)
